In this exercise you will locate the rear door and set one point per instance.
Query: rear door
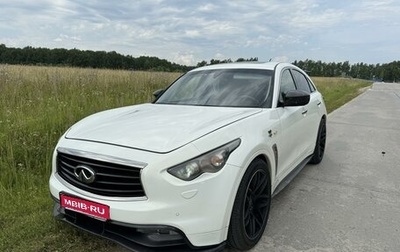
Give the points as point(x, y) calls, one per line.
point(291, 139)
point(310, 112)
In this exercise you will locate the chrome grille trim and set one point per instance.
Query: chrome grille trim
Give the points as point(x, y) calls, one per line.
point(100, 157)
point(112, 179)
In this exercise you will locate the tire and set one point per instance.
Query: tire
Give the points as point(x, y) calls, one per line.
point(251, 207)
point(319, 150)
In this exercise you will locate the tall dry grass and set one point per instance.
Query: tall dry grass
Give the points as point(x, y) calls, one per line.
point(37, 104)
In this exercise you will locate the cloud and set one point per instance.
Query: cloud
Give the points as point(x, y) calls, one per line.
point(383, 10)
point(280, 58)
point(63, 37)
point(207, 7)
point(219, 56)
point(185, 59)
point(191, 31)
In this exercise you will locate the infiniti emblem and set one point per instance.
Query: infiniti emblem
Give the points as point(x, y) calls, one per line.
point(84, 174)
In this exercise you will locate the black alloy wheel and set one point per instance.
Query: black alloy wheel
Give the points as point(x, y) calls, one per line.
point(251, 207)
point(319, 150)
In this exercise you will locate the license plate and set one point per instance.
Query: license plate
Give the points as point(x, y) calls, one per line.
point(90, 208)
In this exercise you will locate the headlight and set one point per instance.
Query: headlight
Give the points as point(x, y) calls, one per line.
point(212, 161)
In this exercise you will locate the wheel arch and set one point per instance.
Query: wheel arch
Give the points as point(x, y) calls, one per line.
point(264, 158)
point(271, 170)
point(236, 235)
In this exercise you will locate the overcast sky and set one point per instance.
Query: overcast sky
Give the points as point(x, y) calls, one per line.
point(187, 32)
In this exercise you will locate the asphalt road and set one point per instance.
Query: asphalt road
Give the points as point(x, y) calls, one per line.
point(351, 201)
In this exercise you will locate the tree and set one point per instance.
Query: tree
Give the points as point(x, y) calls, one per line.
point(200, 64)
point(78, 58)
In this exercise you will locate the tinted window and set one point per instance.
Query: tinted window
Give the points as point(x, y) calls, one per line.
point(287, 84)
point(311, 85)
point(221, 87)
point(301, 81)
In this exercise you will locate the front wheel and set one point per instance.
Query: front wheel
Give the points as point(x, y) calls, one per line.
point(251, 207)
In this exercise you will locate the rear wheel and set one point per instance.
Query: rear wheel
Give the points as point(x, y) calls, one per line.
point(251, 207)
point(320, 143)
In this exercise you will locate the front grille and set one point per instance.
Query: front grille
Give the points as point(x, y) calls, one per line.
point(111, 179)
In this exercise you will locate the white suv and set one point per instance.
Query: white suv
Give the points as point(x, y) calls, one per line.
point(195, 169)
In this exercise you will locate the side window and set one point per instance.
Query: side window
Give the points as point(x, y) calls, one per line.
point(312, 87)
point(301, 81)
point(287, 83)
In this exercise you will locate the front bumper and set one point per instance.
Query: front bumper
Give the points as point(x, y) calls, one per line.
point(200, 209)
point(144, 238)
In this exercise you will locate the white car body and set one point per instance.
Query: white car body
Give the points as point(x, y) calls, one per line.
point(155, 137)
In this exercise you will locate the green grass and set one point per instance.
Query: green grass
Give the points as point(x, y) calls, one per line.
point(37, 105)
point(338, 91)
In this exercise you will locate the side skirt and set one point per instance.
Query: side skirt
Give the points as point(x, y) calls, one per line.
point(291, 175)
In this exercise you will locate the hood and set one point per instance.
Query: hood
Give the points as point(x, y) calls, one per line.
point(155, 127)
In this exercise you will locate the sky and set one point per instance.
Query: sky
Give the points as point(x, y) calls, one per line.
point(187, 32)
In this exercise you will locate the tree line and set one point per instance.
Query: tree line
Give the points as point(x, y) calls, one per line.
point(84, 58)
point(389, 72)
point(216, 61)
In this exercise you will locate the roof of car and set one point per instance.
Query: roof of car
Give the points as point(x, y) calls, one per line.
point(242, 65)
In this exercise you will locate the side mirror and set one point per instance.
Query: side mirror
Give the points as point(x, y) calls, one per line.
point(296, 98)
point(158, 93)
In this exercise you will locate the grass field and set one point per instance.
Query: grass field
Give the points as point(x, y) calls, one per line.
point(37, 104)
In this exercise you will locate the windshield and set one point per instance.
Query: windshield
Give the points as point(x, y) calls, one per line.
point(222, 88)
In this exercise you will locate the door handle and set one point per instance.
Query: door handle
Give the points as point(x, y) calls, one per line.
point(319, 103)
point(304, 112)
